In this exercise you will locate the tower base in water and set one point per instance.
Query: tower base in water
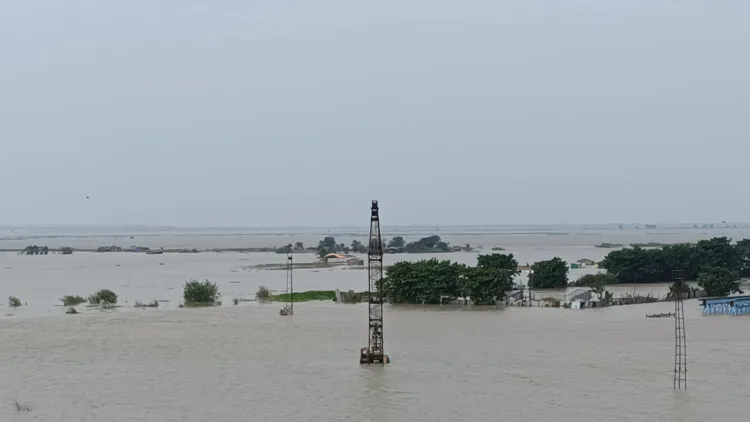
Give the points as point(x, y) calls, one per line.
point(366, 356)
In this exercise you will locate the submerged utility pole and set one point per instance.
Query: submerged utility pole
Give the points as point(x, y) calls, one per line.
point(288, 309)
point(680, 344)
point(374, 353)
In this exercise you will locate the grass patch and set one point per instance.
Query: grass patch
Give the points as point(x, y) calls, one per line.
point(153, 304)
point(196, 292)
point(72, 300)
point(104, 296)
point(306, 296)
point(14, 302)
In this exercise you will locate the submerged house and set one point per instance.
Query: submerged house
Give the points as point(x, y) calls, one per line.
point(581, 299)
point(584, 263)
point(728, 305)
point(337, 258)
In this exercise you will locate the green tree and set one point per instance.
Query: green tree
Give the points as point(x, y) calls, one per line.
point(196, 292)
point(426, 245)
point(550, 274)
point(718, 252)
point(358, 247)
point(299, 246)
point(284, 249)
point(104, 296)
point(498, 261)
point(486, 285)
point(72, 300)
point(423, 282)
point(743, 257)
point(652, 265)
point(397, 242)
point(718, 281)
point(634, 265)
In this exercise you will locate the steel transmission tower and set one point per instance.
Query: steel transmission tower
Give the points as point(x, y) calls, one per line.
point(373, 353)
point(288, 309)
point(680, 344)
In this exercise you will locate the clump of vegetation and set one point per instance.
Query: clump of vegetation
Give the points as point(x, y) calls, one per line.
point(550, 274)
point(429, 244)
point(14, 302)
point(306, 296)
point(262, 293)
point(607, 245)
point(66, 250)
point(590, 280)
point(328, 245)
point(648, 245)
point(433, 281)
point(236, 301)
point(72, 300)
point(153, 304)
point(654, 265)
point(197, 292)
point(104, 297)
point(285, 249)
point(718, 282)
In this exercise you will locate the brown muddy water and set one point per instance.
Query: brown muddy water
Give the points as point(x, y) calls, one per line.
point(238, 363)
point(449, 364)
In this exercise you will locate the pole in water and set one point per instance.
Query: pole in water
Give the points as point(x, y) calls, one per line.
point(680, 343)
point(374, 352)
point(288, 309)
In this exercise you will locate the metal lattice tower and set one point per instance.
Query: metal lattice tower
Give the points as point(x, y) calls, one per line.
point(374, 353)
point(680, 344)
point(288, 309)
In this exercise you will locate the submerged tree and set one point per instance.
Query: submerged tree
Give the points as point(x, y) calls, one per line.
point(196, 292)
point(104, 296)
point(719, 281)
point(72, 300)
point(423, 282)
point(498, 261)
point(550, 274)
point(437, 281)
point(485, 286)
point(397, 242)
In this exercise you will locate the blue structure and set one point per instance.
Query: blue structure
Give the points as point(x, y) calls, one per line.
point(734, 305)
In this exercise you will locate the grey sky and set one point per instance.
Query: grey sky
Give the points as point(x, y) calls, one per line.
point(299, 113)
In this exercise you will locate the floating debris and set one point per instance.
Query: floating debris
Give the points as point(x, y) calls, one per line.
point(662, 315)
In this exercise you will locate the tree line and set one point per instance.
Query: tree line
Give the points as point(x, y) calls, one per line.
point(716, 264)
point(436, 281)
point(429, 244)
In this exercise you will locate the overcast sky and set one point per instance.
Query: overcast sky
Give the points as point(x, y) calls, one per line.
point(288, 113)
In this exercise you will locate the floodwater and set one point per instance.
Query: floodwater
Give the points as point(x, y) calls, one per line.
point(448, 364)
point(246, 362)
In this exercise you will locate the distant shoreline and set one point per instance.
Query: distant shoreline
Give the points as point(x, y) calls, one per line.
point(165, 250)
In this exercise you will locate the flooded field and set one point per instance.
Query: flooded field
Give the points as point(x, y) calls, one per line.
point(246, 362)
point(41, 280)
